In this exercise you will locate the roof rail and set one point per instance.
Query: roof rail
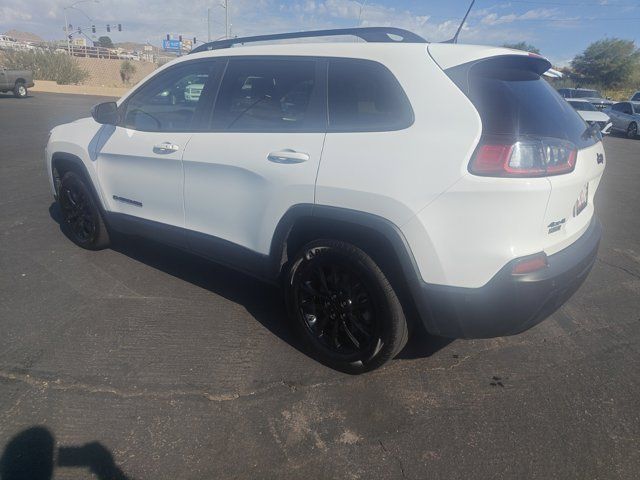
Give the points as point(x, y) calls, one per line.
point(368, 34)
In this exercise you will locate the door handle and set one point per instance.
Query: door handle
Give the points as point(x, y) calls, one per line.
point(166, 147)
point(288, 156)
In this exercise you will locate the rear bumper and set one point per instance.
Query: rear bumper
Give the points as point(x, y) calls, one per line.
point(509, 304)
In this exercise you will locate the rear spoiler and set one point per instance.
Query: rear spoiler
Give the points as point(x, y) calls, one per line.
point(533, 64)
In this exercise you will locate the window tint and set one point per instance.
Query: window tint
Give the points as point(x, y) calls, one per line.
point(269, 95)
point(173, 101)
point(365, 96)
point(618, 107)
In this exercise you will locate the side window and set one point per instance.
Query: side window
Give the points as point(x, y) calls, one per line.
point(628, 109)
point(365, 96)
point(174, 101)
point(617, 107)
point(269, 95)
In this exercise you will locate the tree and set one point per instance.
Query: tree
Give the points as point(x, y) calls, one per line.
point(527, 47)
point(46, 65)
point(127, 71)
point(609, 62)
point(104, 42)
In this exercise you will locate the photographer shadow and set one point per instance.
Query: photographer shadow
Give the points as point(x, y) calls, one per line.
point(31, 455)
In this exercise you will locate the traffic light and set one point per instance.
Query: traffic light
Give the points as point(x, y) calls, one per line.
point(194, 40)
point(119, 27)
point(93, 29)
point(168, 37)
point(180, 37)
point(108, 28)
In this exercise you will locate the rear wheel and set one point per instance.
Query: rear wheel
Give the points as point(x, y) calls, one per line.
point(344, 307)
point(82, 221)
point(20, 91)
point(632, 130)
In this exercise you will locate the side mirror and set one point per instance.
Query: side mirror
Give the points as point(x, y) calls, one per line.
point(105, 113)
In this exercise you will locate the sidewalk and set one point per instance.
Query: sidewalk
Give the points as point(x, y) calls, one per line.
point(52, 87)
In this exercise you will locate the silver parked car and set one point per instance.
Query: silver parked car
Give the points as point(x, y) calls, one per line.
point(625, 117)
point(592, 96)
point(591, 114)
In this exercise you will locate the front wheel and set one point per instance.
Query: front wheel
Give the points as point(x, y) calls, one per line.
point(20, 91)
point(81, 219)
point(344, 307)
point(632, 130)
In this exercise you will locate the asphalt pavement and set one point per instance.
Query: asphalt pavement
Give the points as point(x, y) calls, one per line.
point(145, 362)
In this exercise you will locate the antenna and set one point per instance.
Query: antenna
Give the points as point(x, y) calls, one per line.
point(455, 37)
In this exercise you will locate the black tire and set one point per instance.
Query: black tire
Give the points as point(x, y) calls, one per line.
point(344, 307)
point(20, 90)
point(632, 130)
point(82, 221)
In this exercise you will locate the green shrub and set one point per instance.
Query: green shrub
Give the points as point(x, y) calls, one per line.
point(127, 71)
point(59, 67)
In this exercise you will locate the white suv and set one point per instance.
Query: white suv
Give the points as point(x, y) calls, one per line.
point(386, 184)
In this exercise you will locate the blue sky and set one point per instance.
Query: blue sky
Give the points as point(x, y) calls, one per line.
point(560, 29)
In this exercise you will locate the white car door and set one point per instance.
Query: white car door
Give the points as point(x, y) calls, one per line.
point(260, 157)
point(139, 162)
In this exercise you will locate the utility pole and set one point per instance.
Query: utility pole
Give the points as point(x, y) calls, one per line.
point(66, 31)
point(66, 22)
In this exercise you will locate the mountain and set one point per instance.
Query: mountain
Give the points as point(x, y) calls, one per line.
point(24, 36)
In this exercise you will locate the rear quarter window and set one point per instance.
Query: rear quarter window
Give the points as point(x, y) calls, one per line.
point(365, 96)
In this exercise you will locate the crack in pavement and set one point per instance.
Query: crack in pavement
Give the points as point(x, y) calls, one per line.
point(395, 456)
point(60, 385)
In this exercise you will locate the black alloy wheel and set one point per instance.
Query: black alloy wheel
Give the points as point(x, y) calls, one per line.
point(337, 307)
point(632, 130)
point(345, 307)
point(82, 221)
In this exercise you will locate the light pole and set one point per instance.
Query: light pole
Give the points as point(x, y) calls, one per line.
point(66, 22)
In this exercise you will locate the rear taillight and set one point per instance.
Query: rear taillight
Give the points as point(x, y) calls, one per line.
point(530, 264)
point(525, 157)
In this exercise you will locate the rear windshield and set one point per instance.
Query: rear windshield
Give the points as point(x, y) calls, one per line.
point(586, 94)
point(513, 100)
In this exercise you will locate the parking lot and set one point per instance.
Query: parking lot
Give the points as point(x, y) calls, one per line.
point(145, 362)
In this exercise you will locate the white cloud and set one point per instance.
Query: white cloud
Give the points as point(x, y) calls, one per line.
point(151, 20)
point(537, 14)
